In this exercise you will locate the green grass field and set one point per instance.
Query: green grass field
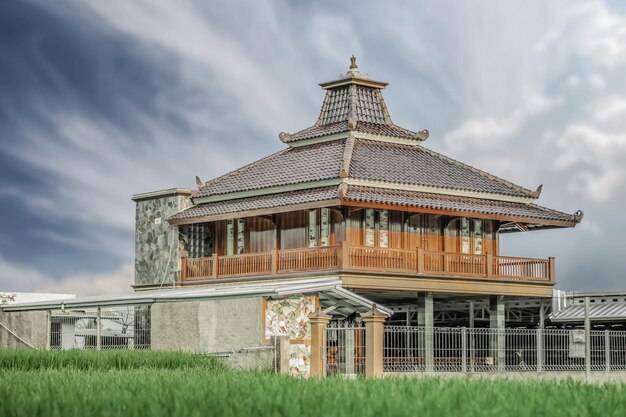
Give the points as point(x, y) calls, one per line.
point(126, 383)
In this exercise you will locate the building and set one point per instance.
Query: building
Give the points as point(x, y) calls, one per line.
point(354, 211)
point(361, 200)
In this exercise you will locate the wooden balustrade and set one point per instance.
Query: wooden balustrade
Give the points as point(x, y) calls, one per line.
point(382, 259)
point(361, 258)
point(322, 257)
point(245, 264)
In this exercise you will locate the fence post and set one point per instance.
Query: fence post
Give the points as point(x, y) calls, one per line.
point(587, 338)
point(319, 320)
point(607, 350)
point(49, 330)
point(489, 266)
point(551, 267)
point(464, 349)
point(281, 354)
point(374, 341)
point(99, 328)
point(539, 349)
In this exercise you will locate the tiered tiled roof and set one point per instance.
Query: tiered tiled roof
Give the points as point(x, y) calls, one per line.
point(354, 103)
point(355, 154)
point(505, 210)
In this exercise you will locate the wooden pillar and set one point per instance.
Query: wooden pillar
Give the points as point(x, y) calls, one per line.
point(183, 269)
point(214, 272)
point(343, 257)
point(420, 260)
point(319, 320)
point(552, 271)
point(374, 342)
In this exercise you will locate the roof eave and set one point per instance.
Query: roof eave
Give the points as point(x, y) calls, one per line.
point(353, 80)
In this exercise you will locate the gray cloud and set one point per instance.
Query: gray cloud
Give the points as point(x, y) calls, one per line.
point(105, 99)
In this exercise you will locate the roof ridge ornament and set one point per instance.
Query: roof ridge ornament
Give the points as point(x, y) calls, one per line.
point(353, 64)
point(353, 70)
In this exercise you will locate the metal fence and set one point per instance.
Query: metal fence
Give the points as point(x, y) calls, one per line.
point(107, 328)
point(345, 349)
point(418, 349)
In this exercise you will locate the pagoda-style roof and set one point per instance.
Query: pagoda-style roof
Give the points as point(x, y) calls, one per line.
point(355, 154)
point(354, 103)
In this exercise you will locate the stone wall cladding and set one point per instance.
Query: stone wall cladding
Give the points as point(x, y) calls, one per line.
point(290, 317)
point(157, 247)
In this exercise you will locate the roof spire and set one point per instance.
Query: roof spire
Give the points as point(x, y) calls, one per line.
point(353, 64)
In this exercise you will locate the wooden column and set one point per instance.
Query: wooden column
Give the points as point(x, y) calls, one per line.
point(319, 320)
point(183, 269)
point(552, 271)
point(420, 260)
point(343, 256)
point(214, 271)
point(374, 342)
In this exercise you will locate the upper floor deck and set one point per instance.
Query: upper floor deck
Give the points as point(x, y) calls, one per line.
point(355, 240)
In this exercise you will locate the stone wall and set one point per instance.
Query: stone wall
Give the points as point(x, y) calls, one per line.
point(32, 326)
point(229, 327)
point(157, 246)
point(290, 317)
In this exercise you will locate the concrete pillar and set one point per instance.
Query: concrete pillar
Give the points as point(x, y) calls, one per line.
point(542, 323)
point(374, 342)
point(426, 319)
point(319, 320)
point(497, 324)
point(348, 352)
point(471, 336)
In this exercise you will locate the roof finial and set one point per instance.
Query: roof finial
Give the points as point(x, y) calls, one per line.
point(353, 64)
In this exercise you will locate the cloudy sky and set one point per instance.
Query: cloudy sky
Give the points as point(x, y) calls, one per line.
point(100, 100)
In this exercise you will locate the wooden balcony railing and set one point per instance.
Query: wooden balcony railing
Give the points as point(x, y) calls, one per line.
point(368, 259)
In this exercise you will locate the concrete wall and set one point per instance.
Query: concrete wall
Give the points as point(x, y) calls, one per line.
point(157, 246)
point(31, 326)
point(229, 326)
